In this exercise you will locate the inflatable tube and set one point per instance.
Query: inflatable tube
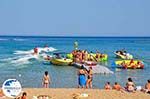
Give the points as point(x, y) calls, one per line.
point(127, 62)
point(61, 61)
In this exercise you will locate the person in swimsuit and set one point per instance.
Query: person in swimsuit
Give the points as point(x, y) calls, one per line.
point(131, 64)
point(130, 86)
point(81, 77)
point(124, 65)
point(89, 78)
point(139, 65)
point(147, 87)
point(107, 86)
point(117, 86)
point(46, 80)
point(86, 55)
point(1, 93)
point(24, 96)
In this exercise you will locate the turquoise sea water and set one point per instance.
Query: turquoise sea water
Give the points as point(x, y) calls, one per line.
point(30, 71)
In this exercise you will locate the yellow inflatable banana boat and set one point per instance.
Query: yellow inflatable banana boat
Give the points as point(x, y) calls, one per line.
point(61, 62)
point(130, 64)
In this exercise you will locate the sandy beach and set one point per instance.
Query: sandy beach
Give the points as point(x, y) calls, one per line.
point(63, 93)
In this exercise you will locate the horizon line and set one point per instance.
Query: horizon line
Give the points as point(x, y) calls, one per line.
point(64, 36)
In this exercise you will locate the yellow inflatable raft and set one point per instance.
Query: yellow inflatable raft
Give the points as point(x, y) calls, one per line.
point(61, 62)
point(135, 64)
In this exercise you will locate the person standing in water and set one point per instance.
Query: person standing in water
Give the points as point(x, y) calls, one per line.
point(89, 78)
point(81, 77)
point(46, 80)
point(75, 45)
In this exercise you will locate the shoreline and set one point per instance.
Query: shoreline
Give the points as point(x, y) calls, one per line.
point(69, 93)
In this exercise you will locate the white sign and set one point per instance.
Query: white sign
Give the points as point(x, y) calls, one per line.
point(11, 88)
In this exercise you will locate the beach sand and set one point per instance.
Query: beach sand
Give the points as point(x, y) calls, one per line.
point(68, 93)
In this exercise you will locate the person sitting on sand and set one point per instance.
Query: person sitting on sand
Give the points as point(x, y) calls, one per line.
point(81, 77)
point(117, 86)
point(130, 86)
point(89, 78)
point(24, 95)
point(46, 80)
point(147, 87)
point(1, 94)
point(107, 86)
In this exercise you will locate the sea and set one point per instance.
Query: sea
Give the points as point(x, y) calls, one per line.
point(17, 62)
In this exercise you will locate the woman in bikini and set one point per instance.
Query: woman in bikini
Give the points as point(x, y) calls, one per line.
point(107, 86)
point(89, 78)
point(46, 80)
point(130, 86)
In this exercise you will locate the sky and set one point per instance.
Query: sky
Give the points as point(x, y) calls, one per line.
point(75, 17)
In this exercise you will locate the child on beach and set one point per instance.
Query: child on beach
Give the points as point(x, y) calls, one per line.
point(46, 80)
point(107, 86)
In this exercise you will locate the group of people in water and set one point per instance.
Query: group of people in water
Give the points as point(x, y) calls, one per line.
point(124, 53)
point(80, 56)
point(82, 75)
point(132, 64)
